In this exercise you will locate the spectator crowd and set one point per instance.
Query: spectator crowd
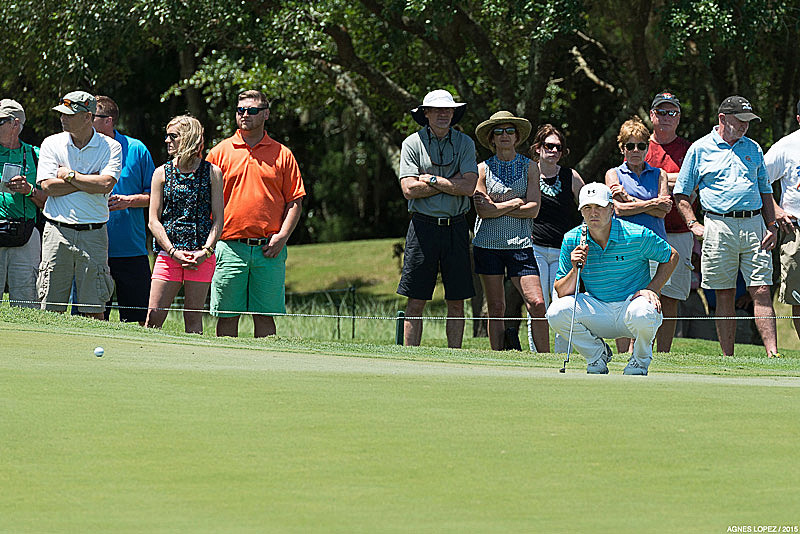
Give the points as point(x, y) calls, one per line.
point(610, 259)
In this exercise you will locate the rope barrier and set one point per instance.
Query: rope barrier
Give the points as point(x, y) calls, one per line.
point(378, 317)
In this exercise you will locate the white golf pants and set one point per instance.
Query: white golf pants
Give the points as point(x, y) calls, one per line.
point(594, 320)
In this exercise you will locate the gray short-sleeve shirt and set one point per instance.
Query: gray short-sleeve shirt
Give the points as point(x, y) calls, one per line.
point(424, 153)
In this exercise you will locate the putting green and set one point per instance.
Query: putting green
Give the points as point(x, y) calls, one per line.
point(189, 434)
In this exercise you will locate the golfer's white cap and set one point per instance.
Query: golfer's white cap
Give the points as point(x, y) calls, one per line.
point(594, 193)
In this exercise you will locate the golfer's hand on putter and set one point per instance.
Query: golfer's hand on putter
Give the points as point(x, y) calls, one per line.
point(579, 255)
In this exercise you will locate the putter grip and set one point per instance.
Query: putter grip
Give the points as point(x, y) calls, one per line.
point(583, 241)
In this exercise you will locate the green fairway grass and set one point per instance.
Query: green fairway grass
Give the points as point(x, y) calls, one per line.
point(179, 433)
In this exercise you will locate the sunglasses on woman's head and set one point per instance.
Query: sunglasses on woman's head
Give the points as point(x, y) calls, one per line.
point(552, 146)
point(249, 111)
point(630, 146)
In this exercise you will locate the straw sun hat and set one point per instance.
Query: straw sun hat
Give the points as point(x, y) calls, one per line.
point(484, 129)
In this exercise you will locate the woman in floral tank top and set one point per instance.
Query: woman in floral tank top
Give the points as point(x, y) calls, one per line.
point(507, 199)
point(186, 208)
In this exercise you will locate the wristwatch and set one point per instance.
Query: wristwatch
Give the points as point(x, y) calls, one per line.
point(209, 251)
point(432, 180)
point(70, 176)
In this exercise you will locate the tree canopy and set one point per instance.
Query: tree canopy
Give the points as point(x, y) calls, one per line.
point(343, 74)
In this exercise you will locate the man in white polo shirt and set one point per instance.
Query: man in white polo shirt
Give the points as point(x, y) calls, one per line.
point(77, 169)
point(783, 165)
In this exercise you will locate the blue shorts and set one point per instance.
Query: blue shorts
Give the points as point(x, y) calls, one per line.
point(510, 262)
point(246, 281)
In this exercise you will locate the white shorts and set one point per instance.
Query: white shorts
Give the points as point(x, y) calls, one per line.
point(679, 284)
point(731, 245)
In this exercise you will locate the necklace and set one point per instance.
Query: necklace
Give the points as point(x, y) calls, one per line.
point(551, 190)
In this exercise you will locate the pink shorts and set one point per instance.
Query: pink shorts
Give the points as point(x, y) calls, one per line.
point(165, 268)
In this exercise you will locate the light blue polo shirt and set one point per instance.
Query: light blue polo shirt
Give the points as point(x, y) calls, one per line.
point(623, 268)
point(126, 228)
point(730, 178)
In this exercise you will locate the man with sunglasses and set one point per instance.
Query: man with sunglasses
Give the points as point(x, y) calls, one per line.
point(438, 174)
point(20, 202)
point(666, 152)
point(739, 229)
point(263, 193)
point(77, 169)
point(127, 248)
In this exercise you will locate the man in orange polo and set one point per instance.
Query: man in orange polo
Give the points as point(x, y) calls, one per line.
point(263, 193)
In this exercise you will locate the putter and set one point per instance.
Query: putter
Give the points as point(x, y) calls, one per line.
point(575, 301)
point(796, 296)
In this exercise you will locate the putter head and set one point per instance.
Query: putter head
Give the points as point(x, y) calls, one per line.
point(562, 370)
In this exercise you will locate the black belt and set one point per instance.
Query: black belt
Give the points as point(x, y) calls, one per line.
point(737, 214)
point(86, 226)
point(438, 221)
point(253, 241)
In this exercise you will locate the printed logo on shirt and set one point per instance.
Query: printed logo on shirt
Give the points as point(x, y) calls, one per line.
point(619, 258)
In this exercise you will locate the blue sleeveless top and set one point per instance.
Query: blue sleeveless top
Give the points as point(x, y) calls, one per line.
point(187, 206)
point(643, 187)
point(505, 180)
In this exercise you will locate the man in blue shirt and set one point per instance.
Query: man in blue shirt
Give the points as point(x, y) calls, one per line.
point(127, 249)
point(739, 227)
point(621, 300)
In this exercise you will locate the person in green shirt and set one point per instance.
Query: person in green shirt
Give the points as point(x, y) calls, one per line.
point(20, 201)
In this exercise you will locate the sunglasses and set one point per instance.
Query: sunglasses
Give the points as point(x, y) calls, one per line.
point(5, 120)
point(630, 146)
point(552, 146)
point(500, 131)
point(665, 112)
point(249, 111)
point(171, 137)
point(70, 104)
point(100, 116)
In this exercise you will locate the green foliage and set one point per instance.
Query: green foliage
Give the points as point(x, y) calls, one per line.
point(343, 74)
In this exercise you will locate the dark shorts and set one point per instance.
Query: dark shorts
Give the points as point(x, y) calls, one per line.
point(431, 248)
point(509, 262)
point(132, 280)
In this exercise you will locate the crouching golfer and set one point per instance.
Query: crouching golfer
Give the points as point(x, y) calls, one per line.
point(621, 300)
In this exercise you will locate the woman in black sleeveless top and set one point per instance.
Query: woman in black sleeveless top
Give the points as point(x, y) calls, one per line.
point(559, 208)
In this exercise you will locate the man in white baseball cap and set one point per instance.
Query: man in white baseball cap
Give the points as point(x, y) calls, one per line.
point(621, 299)
point(438, 173)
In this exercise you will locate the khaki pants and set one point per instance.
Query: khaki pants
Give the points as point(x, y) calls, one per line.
point(18, 267)
point(81, 255)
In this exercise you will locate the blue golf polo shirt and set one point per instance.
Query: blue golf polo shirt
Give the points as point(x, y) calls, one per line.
point(126, 228)
point(729, 177)
point(623, 268)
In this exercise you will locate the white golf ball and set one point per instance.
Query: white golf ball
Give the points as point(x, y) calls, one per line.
point(99, 351)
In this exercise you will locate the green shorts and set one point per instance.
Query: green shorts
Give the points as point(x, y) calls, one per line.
point(246, 281)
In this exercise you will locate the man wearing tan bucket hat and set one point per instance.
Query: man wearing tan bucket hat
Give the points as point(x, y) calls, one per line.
point(438, 173)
